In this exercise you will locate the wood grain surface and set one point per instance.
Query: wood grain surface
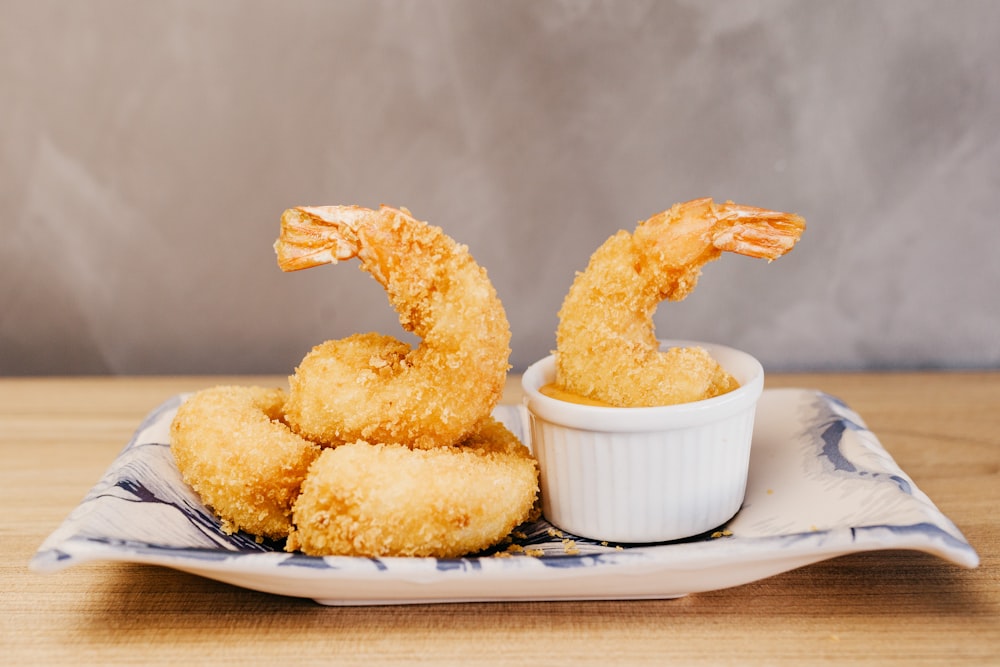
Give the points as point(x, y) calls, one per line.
point(58, 435)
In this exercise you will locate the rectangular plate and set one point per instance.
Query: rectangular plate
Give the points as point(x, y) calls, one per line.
point(821, 485)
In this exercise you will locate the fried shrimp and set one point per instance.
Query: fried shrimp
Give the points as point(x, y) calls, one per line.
point(360, 499)
point(232, 449)
point(606, 348)
point(378, 389)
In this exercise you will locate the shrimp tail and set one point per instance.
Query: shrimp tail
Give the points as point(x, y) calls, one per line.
point(756, 232)
point(315, 235)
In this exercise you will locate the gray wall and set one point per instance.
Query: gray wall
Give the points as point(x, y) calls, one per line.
point(149, 148)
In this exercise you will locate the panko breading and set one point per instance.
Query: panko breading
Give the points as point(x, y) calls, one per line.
point(232, 449)
point(415, 465)
point(381, 391)
point(606, 346)
point(389, 500)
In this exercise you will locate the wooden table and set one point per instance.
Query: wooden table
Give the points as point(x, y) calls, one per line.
point(58, 435)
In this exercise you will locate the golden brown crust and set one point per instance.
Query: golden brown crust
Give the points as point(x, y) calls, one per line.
point(374, 387)
point(389, 500)
point(606, 346)
point(232, 449)
point(446, 479)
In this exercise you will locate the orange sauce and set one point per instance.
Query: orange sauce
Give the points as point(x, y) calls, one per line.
point(552, 390)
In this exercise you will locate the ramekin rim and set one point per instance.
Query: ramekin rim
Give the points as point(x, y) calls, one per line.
point(589, 417)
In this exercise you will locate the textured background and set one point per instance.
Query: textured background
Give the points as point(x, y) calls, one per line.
point(148, 150)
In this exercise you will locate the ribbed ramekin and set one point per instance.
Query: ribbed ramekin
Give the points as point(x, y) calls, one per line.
point(644, 474)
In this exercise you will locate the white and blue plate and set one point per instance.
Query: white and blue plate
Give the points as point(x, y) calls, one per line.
point(820, 486)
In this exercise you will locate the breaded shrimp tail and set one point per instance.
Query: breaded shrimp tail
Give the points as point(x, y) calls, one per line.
point(376, 388)
point(606, 347)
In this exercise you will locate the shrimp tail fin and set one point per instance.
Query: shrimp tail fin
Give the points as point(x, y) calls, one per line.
point(315, 235)
point(757, 232)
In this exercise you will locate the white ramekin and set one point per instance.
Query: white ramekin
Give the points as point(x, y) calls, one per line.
point(644, 474)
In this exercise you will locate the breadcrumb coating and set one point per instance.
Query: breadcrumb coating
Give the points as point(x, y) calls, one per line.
point(233, 450)
point(606, 346)
point(389, 500)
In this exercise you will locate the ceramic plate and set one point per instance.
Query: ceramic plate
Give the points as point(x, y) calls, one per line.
point(820, 486)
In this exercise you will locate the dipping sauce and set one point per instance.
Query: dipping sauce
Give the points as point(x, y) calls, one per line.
point(552, 390)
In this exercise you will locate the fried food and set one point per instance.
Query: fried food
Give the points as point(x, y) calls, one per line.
point(389, 500)
point(375, 388)
point(606, 346)
point(414, 464)
point(233, 450)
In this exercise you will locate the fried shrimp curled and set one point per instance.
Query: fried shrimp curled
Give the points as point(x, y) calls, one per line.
point(606, 348)
point(233, 450)
point(369, 500)
point(376, 388)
